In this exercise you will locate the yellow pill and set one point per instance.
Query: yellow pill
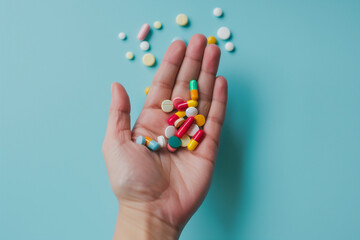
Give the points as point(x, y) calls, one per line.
point(192, 145)
point(148, 60)
point(180, 114)
point(157, 25)
point(192, 103)
point(199, 120)
point(212, 40)
point(147, 90)
point(129, 55)
point(182, 19)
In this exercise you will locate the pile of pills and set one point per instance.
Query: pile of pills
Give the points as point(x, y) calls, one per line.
point(184, 125)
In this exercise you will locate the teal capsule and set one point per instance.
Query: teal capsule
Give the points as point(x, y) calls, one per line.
point(140, 140)
point(193, 85)
point(153, 145)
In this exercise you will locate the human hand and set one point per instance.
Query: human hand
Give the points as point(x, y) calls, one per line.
point(159, 191)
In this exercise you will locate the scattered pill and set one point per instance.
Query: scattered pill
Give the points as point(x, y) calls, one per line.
point(167, 105)
point(171, 149)
point(199, 120)
point(192, 130)
point(140, 140)
point(223, 33)
point(174, 142)
point(212, 40)
point(170, 131)
point(218, 12)
point(182, 19)
point(144, 45)
point(147, 90)
point(185, 127)
point(229, 46)
point(191, 112)
point(194, 92)
point(148, 59)
point(151, 144)
point(129, 55)
point(185, 140)
point(157, 25)
point(144, 30)
point(122, 36)
point(161, 141)
point(196, 140)
point(176, 116)
point(185, 105)
point(179, 122)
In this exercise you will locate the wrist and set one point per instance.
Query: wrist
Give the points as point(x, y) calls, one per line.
point(140, 223)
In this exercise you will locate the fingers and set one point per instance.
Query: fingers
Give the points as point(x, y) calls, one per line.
point(191, 65)
point(164, 79)
point(207, 77)
point(216, 116)
point(119, 115)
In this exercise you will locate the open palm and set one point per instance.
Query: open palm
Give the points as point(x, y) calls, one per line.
point(170, 185)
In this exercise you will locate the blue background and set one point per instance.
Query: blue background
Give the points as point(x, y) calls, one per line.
point(288, 166)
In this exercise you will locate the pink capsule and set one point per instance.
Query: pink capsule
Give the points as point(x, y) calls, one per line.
point(144, 30)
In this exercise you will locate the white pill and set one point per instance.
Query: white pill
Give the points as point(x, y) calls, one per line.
point(144, 45)
point(122, 36)
point(191, 112)
point(229, 46)
point(192, 130)
point(179, 122)
point(218, 12)
point(185, 140)
point(129, 55)
point(167, 105)
point(170, 131)
point(157, 25)
point(161, 141)
point(182, 19)
point(223, 33)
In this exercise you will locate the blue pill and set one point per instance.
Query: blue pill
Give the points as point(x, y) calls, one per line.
point(140, 140)
point(153, 145)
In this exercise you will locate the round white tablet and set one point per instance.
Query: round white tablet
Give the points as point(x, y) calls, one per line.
point(179, 122)
point(122, 36)
point(161, 141)
point(185, 140)
point(223, 33)
point(170, 131)
point(182, 19)
point(192, 130)
point(229, 46)
point(148, 60)
point(157, 25)
point(218, 12)
point(167, 105)
point(191, 112)
point(144, 45)
point(129, 55)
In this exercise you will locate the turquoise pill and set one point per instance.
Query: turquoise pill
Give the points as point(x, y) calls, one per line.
point(153, 145)
point(140, 140)
point(174, 142)
point(193, 85)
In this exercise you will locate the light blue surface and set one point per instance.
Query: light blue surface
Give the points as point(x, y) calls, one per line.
point(289, 162)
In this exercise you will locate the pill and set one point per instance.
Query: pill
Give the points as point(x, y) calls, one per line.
point(185, 140)
point(148, 59)
point(196, 140)
point(157, 25)
point(212, 40)
point(185, 105)
point(170, 131)
point(218, 12)
point(176, 116)
point(144, 45)
point(191, 112)
point(223, 33)
point(129, 55)
point(161, 140)
point(229, 46)
point(185, 127)
point(122, 36)
point(171, 149)
point(147, 90)
point(192, 130)
point(144, 30)
point(140, 140)
point(182, 19)
point(194, 92)
point(151, 144)
point(179, 122)
point(199, 120)
point(167, 105)
point(174, 142)
point(177, 100)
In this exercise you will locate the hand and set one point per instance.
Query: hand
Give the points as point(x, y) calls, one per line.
point(162, 190)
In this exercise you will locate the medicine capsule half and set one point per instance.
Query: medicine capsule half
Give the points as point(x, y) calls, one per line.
point(194, 92)
point(185, 105)
point(176, 116)
point(185, 127)
point(151, 144)
point(196, 140)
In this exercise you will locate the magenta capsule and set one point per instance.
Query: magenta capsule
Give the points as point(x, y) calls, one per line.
point(185, 127)
point(144, 30)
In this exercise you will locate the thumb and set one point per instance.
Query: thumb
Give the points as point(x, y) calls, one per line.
point(119, 116)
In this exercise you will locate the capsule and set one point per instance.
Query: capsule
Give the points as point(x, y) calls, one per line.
point(194, 92)
point(176, 116)
point(151, 144)
point(183, 106)
point(196, 140)
point(185, 127)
